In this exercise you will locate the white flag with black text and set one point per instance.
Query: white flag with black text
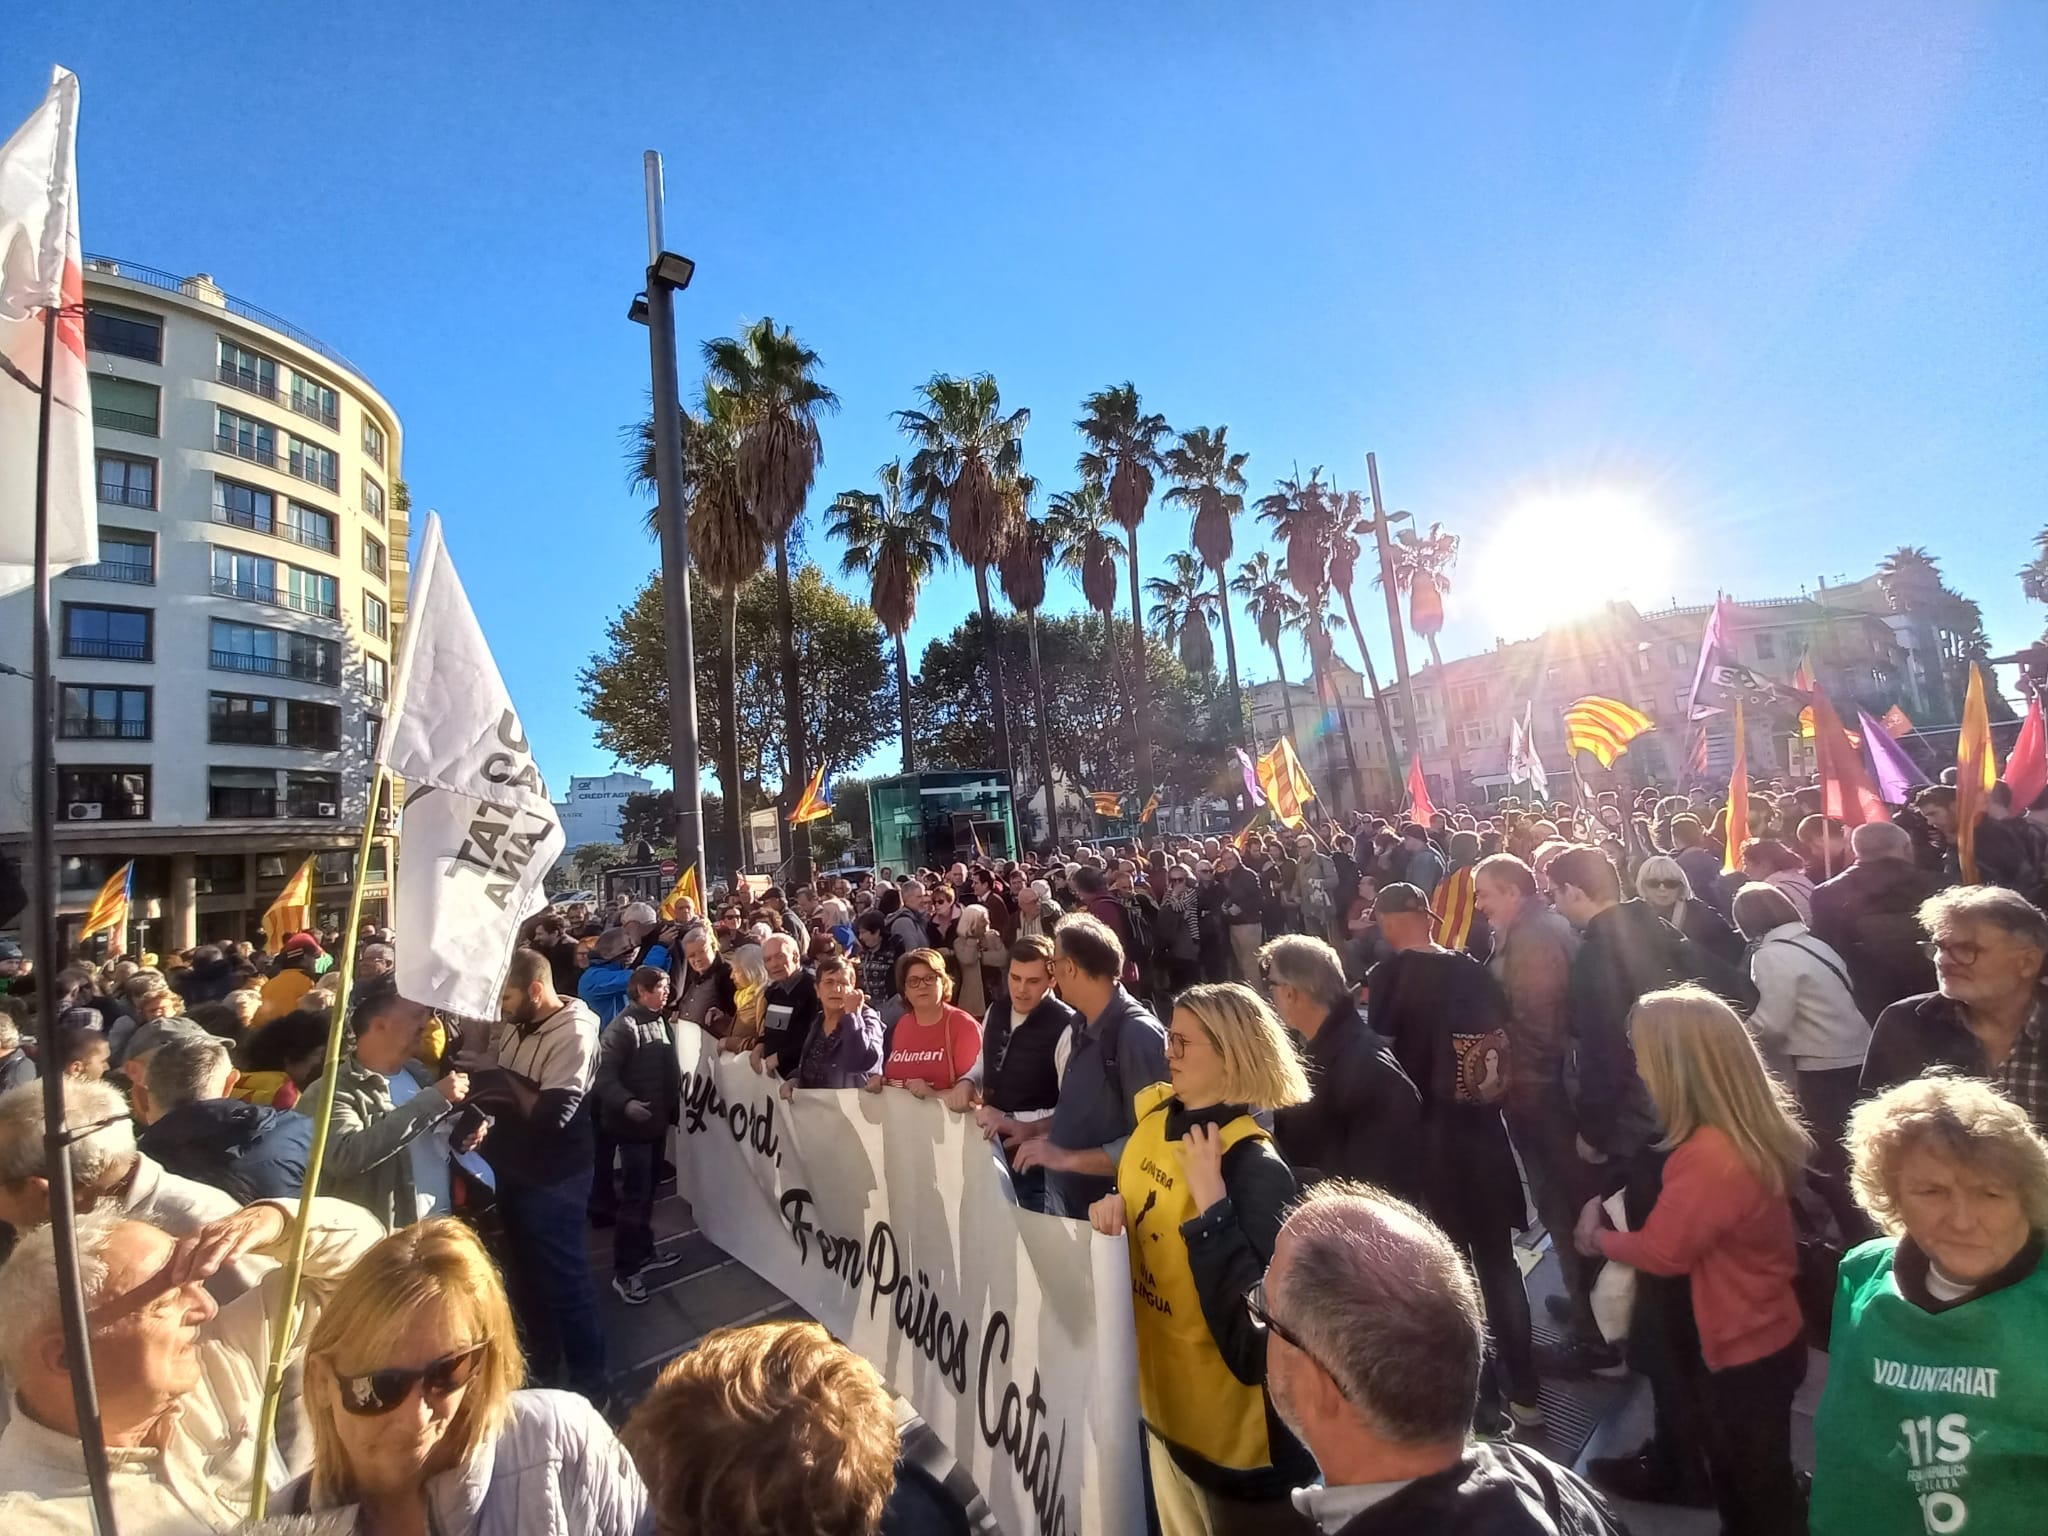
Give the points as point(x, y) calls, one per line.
point(479, 833)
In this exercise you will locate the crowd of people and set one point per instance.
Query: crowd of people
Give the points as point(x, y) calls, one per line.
point(1318, 1077)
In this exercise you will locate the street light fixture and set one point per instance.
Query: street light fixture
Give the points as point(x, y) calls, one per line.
point(672, 271)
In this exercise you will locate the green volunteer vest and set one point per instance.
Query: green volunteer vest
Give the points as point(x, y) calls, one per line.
point(1932, 1423)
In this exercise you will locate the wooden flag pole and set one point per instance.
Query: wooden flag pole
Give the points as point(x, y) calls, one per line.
point(283, 1334)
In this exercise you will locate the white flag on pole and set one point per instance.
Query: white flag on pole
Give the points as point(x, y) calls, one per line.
point(42, 267)
point(480, 833)
point(1524, 766)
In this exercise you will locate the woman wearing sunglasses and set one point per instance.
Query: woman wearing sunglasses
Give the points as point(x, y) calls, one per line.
point(418, 1422)
point(1667, 890)
point(1201, 1195)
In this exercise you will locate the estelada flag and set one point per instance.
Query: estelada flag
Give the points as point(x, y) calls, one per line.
point(685, 888)
point(1603, 727)
point(815, 804)
point(42, 275)
point(1976, 772)
point(109, 910)
point(1151, 809)
point(1107, 802)
point(1738, 800)
point(1420, 807)
point(292, 912)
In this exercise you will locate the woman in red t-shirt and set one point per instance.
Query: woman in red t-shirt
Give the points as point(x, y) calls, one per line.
point(934, 1044)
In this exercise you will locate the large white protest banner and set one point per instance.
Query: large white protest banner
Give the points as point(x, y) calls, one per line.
point(888, 1219)
point(480, 832)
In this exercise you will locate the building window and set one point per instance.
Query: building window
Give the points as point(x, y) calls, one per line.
point(219, 874)
point(244, 506)
point(379, 869)
point(373, 497)
point(86, 713)
point(236, 719)
point(373, 733)
point(246, 438)
point(124, 333)
point(312, 398)
point(1766, 647)
point(125, 405)
point(309, 461)
point(126, 482)
point(108, 634)
point(103, 794)
point(375, 615)
point(1681, 653)
point(313, 795)
point(259, 579)
point(1469, 699)
point(264, 652)
point(247, 370)
point(373, 442)
point(310, 527)
point(311, 592)
point(1642, 662)
point(237, 794)
point(376, 678)
point(373, 556)
point(124, 556)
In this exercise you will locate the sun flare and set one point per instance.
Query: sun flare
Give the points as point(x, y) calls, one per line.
point(1560, 556)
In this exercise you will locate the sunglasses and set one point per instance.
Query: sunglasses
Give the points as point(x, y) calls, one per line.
point(378, 1392)
point(1663, 885)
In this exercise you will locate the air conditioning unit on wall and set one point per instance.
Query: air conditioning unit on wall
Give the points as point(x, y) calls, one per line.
point(327, 808)
point(84, 810)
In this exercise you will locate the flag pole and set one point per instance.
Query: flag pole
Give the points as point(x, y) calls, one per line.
point(323, 1117)
point(57, 1136)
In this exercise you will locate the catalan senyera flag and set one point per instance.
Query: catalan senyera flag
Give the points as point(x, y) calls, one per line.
point(1286, 784)
point(685, 889)
point(110, 909)
point(1151, 809)
point(1976, 772)
point(1452, 906)
point(1603, 727)
point(815, 804)
point(1107, 802)
point(1738, 800)
point(292, 912)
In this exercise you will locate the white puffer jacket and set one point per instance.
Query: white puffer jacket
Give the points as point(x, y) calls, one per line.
point(1805, 1011)
point(556, 1470)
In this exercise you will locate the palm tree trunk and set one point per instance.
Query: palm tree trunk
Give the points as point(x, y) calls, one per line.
point(1286, 693)
point(792, 715)
point(1450, 726)
point(1332, 701)
point(1379, 704)
point(1119, 668)
point(992, 658)
point(1237, 721)
point(1141, 704)
point(735, 838)
point(1052, 822)
point(903, 700)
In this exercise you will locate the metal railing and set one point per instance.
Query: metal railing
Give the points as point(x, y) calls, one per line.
point(223, 735)
point(133, 572)
point(123, 421)
point(107, 650)
point(169, 282)
point(277, 666)
point(281, 597)
point(128, 495)
point(311, 408)
point(254, 383)
point(235, 517)
point(255, 452)
point(97, 340)
point(307, 468)
point(88, 728)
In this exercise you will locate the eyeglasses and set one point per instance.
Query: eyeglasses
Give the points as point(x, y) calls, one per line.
point(1177, 1045)
point(1255, 1304)
point(1663, 885)
point(1958, 952)
point(378, 1392)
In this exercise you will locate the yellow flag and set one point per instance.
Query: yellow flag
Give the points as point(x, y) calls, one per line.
point(1738, 801)
point(292, 912)
point(1285, 783)
point(1976, 772)
point(685, 887)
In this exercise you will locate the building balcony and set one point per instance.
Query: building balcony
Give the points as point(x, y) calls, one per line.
point(233, 517)
point(255, 453)
point(309, 470)
point(135, 573)
point(102, 730)
point(312, 410)
point(253, 805)
point(254, 383)
point(219, 734)
point(128, 496)
point(280, 597)
point(294, 667)
point(107, 650)
point(123, 421)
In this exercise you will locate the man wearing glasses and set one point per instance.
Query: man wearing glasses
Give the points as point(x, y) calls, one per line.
point(1373, 1344)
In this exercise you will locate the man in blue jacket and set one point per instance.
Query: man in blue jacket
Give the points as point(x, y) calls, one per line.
point(196, 1131)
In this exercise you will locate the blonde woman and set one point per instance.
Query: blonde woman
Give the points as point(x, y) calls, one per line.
point(1664, 884)
point(750, 998)
point(1202, 1194)
point(977, 951)
point(1723, 1220)
point(413, 1396)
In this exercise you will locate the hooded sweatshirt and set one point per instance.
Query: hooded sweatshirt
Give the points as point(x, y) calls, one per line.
point(557, 1055)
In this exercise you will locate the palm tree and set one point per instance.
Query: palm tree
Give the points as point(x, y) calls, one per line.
point(1350, 526)
point(968, 455)
point(1078, 523)
point(1183, 607)
point(896, 543)
point(727, 549)
point(2034, 574)
point(778, 399)
point(1275, 609)
point(1422, 569)
point(1123, 453)
point(1022, 571)
point(1304, 520)
point(1209, 479)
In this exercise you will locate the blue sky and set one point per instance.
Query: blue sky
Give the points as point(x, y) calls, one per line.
point(1769, 272)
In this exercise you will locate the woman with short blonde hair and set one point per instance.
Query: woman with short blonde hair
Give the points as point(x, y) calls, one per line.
point(1723, 1220)
point(424, 1314)
point(1936, 1408)
point(1203, 1193)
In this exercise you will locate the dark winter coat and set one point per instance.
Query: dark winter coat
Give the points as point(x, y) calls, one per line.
point(1869, 914)
point(1497, 1488)
point(251, 1151)
point(636, 1060)
point(1363, 1117)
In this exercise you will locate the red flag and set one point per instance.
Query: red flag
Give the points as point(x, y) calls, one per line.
point(1846, 792)
point(2026, 771)
point(1419, 807)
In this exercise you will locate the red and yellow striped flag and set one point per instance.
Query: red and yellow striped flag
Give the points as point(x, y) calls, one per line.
point(1603, 727)
point(685, 889)
point(1151, 809)
point(109, 910)
point(1976, 772)
point(1738, 801)
point(1452, 907)
point(1286, 784)
point(1107, 802)
point(815, 804)
point(292, 912)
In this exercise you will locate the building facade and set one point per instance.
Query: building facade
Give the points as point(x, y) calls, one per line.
point(594, 806)
point(1319, 734)
point(222, 671)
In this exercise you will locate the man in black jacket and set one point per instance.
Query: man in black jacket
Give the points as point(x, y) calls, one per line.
point(1869, 914)
point(1363, 1120)
point(1373, 1343)
point(1241, 899)
point(638, 1086)
point(1016, 1078)
point(791, 1007)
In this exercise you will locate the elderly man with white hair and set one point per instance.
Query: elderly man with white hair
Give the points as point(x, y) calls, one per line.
point(1869, 914)
point(180, 1376)
point(106, 1169)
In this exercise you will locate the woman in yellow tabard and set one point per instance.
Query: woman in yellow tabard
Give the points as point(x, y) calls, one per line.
point(1201, 1194)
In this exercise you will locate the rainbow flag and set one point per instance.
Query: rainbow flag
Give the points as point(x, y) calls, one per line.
point(110, 909)
point(1603, 727)
point(815, 804)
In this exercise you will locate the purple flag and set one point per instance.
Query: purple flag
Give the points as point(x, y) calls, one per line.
point(1251, 777)
point(1897, 775)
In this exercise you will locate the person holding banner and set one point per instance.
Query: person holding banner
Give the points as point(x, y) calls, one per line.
point(1201, 1195)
